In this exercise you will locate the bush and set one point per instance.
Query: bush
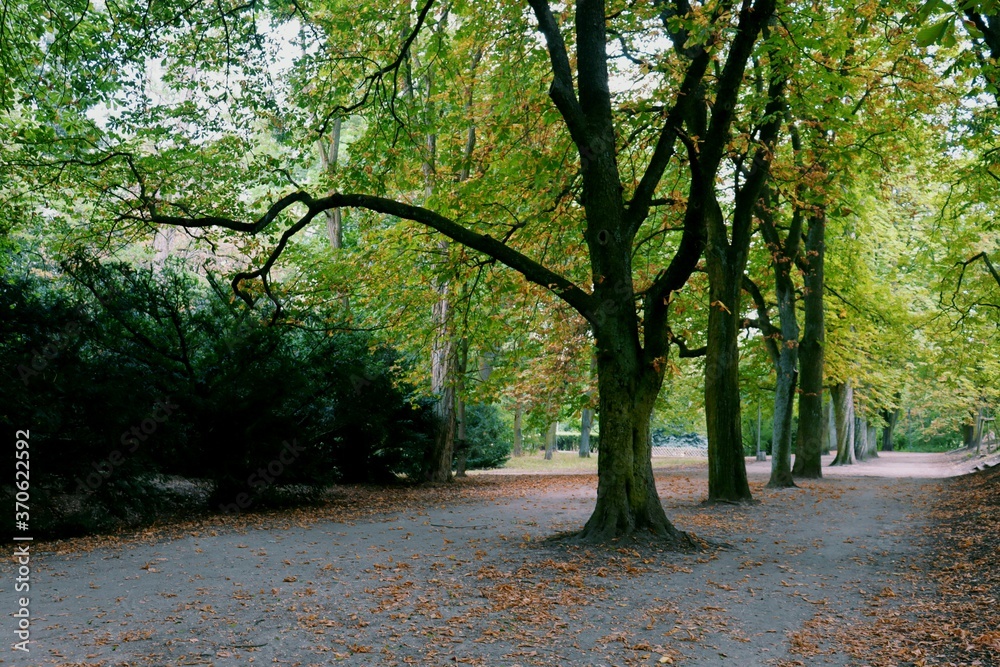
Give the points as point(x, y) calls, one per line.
point(489, 439)
point(138, 376)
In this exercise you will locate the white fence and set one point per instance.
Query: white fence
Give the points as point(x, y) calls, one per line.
point(681, 452)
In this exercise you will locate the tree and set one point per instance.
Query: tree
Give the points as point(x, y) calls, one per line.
point(726, 256)
point(632, 344)
point(782, 344)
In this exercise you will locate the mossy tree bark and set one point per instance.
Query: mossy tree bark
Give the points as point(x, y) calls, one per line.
point(726, 253)
point(727, 474)
point(783, 344)
point(813, 422)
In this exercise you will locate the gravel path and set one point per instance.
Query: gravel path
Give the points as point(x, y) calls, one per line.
point(464, 575)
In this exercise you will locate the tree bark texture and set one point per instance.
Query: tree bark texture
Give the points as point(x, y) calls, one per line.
point(890, 417)
point(443, 362)
point(860, 439)
point(550, 440)
point(872, 441)
point(627, 501)
point(586, 421)
point(830, 437)
point(727, 476)
point(842, 397)
point(812, 420)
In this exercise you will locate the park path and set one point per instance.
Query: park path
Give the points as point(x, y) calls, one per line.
point(464, 575)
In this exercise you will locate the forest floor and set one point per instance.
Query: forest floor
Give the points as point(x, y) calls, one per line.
point(882, 563)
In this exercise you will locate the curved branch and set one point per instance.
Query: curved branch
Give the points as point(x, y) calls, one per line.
point(768, 330)
point(562, 287)
point(683, 351)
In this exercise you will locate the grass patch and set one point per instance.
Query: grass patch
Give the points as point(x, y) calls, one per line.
point(570, 462)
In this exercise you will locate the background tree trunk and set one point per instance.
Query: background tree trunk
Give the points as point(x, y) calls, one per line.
point(550, 440)
point(727, 475)
point(784, 401)
point(586, 420)
point(830, 437)
point(860, 438)
point(461, 445)
point(443, 362)
point(978, 437)
point(890, 417)
point(761, 454)
point(784, 351)
point(812, 420)
point(842, 397)
point(329, 158)
point(968, 435)
point(518, 434)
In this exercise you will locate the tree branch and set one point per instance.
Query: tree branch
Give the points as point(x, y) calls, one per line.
point(683, 351)
point(767, 329)
point(561, 90)
point(663, 152)
point(529, 268)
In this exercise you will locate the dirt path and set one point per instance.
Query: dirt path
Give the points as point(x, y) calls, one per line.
point(464, 576)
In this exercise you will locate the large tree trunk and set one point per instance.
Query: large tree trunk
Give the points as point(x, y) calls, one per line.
point(438, 463)
point(890, 417)
point(586, 421)
point(727, 474)
point(812, 420)
point(872, 441)
point(627, 501)
point(842, 397)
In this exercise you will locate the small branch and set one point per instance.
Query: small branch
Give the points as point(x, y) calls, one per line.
point(768, 330)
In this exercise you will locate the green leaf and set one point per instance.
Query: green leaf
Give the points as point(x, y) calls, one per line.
point(928, 9)
point(933, 34)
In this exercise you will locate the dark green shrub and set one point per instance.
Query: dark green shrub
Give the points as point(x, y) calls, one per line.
point(140, 376)
point(488, 437)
